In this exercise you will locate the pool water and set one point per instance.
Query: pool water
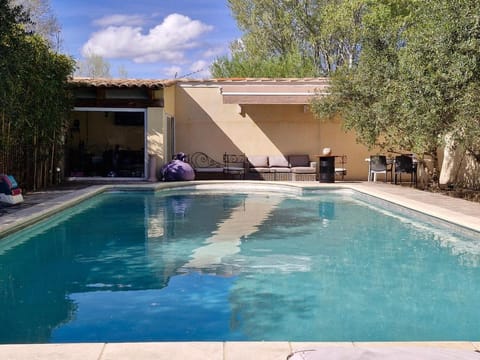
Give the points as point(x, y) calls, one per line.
point(184, 266)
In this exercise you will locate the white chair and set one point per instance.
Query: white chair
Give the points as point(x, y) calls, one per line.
point(341, 170)
point(379, 165)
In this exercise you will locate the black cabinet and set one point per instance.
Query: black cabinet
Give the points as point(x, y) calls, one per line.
point(327, 169)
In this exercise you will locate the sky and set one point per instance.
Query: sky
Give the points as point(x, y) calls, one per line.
point(148, 39)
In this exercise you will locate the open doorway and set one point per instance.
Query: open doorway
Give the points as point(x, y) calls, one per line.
point(106, 143)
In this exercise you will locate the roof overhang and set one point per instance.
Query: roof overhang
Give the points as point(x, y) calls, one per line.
point(117, 93)
point(119, 83)
point(240, 91)
point(274, 92)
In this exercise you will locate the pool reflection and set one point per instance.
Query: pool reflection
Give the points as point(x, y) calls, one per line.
point(165, 268)
point(48, 281)
point(244, 220)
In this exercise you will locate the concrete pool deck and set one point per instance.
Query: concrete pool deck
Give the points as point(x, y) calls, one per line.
point(197, 350)
point(40, 205)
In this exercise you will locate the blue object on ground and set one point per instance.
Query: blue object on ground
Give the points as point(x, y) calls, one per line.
point(10, 193)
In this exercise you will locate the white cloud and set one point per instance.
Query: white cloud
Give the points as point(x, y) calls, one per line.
point(215, 52)
point(173, 71)
point(120, 20)
point(200, 65)
point(167, 41)
point(199, 69)
point(204, 74)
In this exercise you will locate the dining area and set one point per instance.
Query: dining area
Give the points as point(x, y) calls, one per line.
point(395, 166)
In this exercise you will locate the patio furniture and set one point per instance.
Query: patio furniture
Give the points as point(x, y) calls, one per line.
point(234, 165)
point(258, 168)
point(405, 164)
point(340, 166)
point(281, 168)
point(254, 167)
point(331, 166)
point(326, 169)
point(205, 167)
point(379, 165)
point(302, 168)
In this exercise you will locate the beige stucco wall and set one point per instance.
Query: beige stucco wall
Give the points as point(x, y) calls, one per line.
point(156, 140)
point(169, 99)
point(204, 123)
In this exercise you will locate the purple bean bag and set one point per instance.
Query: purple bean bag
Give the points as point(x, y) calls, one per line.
point(177, 170)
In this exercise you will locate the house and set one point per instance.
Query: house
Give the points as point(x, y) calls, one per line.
point(125, 128)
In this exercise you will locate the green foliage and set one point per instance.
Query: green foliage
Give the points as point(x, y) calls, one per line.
point(285, 35)
point(417, 77)
point(34, 100)
point(43, 21)
point(241, 65)
point(404, 73)
point(93, 66)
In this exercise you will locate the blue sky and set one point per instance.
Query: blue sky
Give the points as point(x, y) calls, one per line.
point(150, 39)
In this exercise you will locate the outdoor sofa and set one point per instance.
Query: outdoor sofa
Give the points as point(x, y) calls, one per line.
point(281, 168)
point(255, 167)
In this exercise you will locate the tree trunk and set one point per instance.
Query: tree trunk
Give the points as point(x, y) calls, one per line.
point(452, 162)
point(435, 168)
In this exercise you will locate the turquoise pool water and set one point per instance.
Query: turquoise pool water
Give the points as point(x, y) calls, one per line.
point(326, 266)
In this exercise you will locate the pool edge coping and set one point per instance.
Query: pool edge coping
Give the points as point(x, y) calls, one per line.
point(215, 350)
point(434, 210)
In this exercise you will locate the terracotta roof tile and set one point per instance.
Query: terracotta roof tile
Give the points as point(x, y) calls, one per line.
point(158, 84)
point(292, 81)
point(119, 83)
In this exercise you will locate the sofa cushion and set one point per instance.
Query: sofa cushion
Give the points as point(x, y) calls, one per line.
point(259, 170)
point(277, 161)
point(303, 170)
point(258, 161)
point(299, 160)
point(281, 169)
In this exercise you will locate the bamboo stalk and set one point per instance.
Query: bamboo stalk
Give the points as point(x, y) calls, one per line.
point(52, 160)
point(34, 163)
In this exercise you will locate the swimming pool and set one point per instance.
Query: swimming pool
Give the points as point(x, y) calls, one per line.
point(327, 266)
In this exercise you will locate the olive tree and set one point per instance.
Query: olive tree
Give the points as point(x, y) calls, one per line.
point(416, 80)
